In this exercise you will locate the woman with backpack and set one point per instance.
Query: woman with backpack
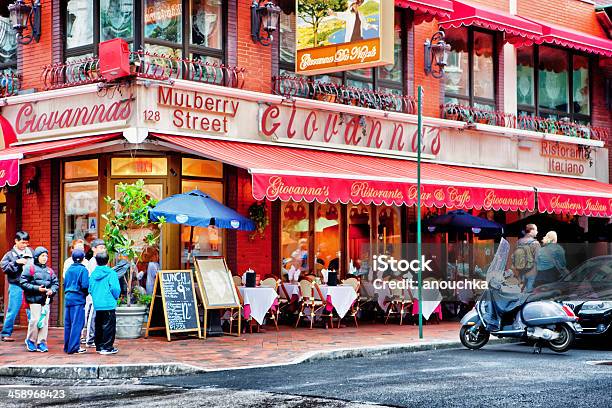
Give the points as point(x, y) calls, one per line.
point(524, 256)
point(39, 284)
point(550, 261)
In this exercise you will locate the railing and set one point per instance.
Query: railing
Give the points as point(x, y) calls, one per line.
point(564, 126)
point(144, 65)
point(290, 87)
point(10, 83)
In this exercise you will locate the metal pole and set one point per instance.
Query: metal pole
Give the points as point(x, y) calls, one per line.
point(419, 249)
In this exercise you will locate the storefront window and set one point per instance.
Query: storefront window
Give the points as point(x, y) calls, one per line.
point(287, 42)
point(139, 166)
point(359, 248)
point(206, 241)
point(551, 96)
point(80, 212)
point(79, 23)
point(553, 79)
point(202, 168)
point(163, 20)
point(8, 42)
point(207, 23)
point(525, 77)
point(328, 230)
point(470, 85)
point(116, 19)
point(581, 84)
point(81, 169)
point(295, 227)
point(389, 234)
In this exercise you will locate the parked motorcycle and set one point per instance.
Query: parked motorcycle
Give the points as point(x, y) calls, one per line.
point(504, 311)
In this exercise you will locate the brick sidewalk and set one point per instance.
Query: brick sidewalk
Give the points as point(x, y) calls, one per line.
point(286, 346)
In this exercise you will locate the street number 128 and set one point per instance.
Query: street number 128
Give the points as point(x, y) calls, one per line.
point(151, 115)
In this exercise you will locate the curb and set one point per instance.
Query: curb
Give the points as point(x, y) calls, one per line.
point(118, 371)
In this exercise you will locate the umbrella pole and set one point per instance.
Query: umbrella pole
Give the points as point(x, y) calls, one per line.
point(190, 247)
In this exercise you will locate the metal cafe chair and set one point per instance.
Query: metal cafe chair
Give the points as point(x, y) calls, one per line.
point(308, 300)
point(273, 284)
point(356, 285)
point(400, 303)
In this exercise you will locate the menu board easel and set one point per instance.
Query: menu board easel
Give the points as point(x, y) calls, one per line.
point(174, 298)
point(217, 289)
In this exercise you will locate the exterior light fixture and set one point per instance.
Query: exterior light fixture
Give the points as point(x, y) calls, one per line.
point(436, 55)
point(23, 15)
point(264, 17)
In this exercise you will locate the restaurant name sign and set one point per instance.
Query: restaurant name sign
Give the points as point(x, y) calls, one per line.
point(565, 158)
point(574, 204)
point(389, 192)
point(338, 35)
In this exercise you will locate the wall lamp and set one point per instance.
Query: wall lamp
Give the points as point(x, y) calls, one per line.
point(264, 17)
point(22, 16)
point(32, 184)
point(436, 55)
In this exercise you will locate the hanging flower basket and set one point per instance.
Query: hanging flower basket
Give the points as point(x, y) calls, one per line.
point(259, 214)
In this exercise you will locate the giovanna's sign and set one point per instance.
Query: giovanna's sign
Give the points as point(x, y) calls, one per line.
point(338, 35)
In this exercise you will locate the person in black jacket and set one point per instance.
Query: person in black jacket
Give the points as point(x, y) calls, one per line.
point(12, 264)
point(40, 284)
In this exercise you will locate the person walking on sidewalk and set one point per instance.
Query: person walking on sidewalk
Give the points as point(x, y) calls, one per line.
point(40, 284)
point(12, 264)
point(524, 257)
point(105, 290)
point(98, 247)
point(76, 284)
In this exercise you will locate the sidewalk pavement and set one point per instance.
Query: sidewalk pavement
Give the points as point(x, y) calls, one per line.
point(156, 356)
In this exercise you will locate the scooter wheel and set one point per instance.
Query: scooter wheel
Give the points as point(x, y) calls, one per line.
point(565, 340)
point(473, 341)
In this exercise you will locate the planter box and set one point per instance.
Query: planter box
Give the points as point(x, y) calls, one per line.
point(130, 321)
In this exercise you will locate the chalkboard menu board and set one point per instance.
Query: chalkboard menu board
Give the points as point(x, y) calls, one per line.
point(174, 299)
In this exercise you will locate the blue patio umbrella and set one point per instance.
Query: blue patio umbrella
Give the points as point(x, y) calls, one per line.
point(460, 221)
point(198, 209)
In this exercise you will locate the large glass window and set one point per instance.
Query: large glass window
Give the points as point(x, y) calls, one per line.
point(359, 248)
point(470, 73)
point(8, 42)
point(545, 87)
point(328, 230)
point(295, 227)
point(387, 78)
point(80, 213)
point(193, 28)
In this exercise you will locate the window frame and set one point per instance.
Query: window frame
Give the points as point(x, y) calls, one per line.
point(138, 40)
point(11, 65)
point(543, 112)
point(471, 99)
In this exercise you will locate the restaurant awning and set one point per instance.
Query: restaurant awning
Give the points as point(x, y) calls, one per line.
point(519, 31)
point(9, 157)
point(566, 37)
point(292, 173)
point(427, 10)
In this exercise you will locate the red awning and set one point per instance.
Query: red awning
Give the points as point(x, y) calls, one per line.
point(9, 158)
point(290, 173)
point(566, 37)
point(519, 31)
point(427, 10)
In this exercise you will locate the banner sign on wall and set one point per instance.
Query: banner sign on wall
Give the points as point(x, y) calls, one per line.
point(339, 35)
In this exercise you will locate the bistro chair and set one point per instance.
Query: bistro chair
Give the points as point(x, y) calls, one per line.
point(234, 314)
point(400, 303)
point(309, 301)
point(319, 294)
point(284, 299)
point(273, 284)
point(355, 284)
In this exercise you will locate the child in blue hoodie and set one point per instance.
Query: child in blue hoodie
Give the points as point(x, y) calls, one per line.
point(76, 284)
point(104, 289)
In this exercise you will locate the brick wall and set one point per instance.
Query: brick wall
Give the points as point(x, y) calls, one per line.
point(257, 253)
point(36, 217)
point(36, 55)
point(431, 85)
point(575, 14)
point(254, 57)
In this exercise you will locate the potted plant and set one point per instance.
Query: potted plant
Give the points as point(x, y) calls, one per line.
point(128, 234)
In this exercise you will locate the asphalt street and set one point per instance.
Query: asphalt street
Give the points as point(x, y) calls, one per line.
point(496, 376)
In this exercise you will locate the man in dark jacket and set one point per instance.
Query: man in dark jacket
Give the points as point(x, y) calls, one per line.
point(40, 284)
point(76, 285)
point(12, 264)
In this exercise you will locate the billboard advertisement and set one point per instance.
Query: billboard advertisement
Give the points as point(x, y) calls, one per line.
point(339, 35)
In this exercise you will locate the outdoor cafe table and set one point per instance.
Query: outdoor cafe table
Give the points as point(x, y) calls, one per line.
point(257, 302)
point(339, 297)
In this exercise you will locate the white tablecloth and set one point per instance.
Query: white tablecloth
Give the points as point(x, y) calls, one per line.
point(260, 300)
point(342, 297)
point(380, 293)
point(291, 288)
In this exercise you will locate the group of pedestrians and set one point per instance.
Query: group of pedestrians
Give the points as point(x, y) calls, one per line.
point(91, 290)
point(538, 264)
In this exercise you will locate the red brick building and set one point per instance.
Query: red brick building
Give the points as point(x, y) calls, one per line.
point(519, 124)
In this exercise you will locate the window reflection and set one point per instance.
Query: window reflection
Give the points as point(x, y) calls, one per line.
point(553, 79)
point(581, 85)
point(116, 19)
point(327, 236)
point(163, 20)
point(483, 65)
point(525, 76)
point(79, 23)
point(457, 71)
point(8, 42)
point(80, 213)
point(294, 236)
point(206, 23)
point(359, 250)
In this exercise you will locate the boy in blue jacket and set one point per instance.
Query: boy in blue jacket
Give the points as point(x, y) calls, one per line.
point(104, 289)
point(76, 284)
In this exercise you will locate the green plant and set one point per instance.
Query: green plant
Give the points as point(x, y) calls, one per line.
point(127, 213)
point(259, 214)
point(313, 11)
